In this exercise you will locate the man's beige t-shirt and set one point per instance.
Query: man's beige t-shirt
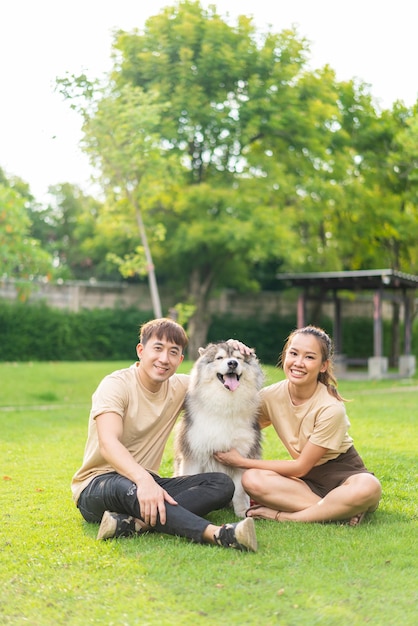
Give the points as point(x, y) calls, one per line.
point(148, 419)
point(322, 420)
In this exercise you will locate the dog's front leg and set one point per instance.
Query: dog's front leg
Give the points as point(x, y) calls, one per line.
point(240, 500)
point(188, 467)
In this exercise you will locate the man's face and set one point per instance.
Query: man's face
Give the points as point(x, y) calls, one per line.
point(159, 360)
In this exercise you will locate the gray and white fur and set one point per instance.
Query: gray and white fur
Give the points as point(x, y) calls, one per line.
point(221, 412)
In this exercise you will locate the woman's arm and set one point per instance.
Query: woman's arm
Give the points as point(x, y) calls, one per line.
point(299, 467)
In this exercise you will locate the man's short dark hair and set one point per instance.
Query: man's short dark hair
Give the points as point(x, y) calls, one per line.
point(163, 328)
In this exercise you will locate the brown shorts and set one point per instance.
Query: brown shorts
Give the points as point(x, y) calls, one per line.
point(324, 478)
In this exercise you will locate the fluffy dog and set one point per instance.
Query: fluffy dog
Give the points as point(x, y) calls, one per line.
point(221, 410)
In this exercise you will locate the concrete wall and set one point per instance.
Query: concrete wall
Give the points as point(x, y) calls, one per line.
point(76, 295)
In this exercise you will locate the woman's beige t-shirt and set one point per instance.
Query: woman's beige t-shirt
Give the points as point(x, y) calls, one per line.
point(322, 420)
point(148, 419)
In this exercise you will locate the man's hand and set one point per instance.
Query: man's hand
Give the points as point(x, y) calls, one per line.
point(152, 499)
point(238, 345)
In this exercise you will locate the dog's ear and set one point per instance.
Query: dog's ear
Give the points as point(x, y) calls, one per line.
point(201, 351)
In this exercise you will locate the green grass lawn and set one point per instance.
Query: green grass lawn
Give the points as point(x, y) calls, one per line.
point(53, 572)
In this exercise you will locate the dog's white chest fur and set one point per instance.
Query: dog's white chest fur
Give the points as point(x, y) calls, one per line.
point(220, 413)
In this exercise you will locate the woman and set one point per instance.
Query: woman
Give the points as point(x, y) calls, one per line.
point(326, 479)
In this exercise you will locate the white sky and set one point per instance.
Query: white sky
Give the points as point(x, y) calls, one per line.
point(374, 40)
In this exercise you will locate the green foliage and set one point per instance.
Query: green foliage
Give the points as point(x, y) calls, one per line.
point(53, 571)
point(250, 161)
point(189, 130)
point(66, 228)
point(266, 338)
point(21, 255)
point(39, 333)
point(223, 158)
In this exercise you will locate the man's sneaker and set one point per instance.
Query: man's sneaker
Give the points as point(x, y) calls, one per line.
point(117, 525)
point(240, 536)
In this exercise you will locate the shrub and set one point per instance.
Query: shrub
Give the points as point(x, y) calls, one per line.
point(36, 332)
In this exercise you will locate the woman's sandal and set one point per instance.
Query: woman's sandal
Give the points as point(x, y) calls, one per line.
point(261, 506)
point(356, 520)
point(254, 507)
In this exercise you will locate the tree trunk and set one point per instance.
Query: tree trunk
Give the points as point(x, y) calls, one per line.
point(198, 331)
point(152, 279)
point(198, 326)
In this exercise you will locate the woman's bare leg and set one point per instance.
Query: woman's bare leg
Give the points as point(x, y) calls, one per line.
point(279, 493)
point(359, 494)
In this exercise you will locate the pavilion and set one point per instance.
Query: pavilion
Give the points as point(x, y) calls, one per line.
point(384, 284)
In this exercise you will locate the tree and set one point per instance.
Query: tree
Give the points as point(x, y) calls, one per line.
point(390, 169)
point(21, 256)
point(121, 137)
point(384, 166)
point(256, 131)
point(66, 228)
point(235, 155)
point(217, 87)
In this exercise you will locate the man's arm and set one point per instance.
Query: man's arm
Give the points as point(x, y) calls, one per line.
point(151, 496)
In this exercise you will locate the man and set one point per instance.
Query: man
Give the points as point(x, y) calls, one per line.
point(133, 413)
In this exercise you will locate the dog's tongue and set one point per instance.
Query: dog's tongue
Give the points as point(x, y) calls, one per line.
point(231, 381)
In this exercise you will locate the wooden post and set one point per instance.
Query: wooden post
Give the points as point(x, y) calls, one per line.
point(337, 330)
point(407, 323)
point(377, 324)
point(301, 310)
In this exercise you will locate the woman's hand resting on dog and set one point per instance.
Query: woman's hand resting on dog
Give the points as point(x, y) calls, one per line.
point(232, 457)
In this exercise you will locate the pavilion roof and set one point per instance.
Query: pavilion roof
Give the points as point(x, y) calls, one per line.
point(352, 280)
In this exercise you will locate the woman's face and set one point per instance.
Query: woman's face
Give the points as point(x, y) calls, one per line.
point(303, 359)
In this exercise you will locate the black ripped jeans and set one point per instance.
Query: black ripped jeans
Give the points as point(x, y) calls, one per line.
point(196, 496)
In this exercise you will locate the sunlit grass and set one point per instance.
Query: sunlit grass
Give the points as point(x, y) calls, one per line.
point(53, 572)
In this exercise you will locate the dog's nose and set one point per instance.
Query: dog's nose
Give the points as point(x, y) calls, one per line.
point(232, 364)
